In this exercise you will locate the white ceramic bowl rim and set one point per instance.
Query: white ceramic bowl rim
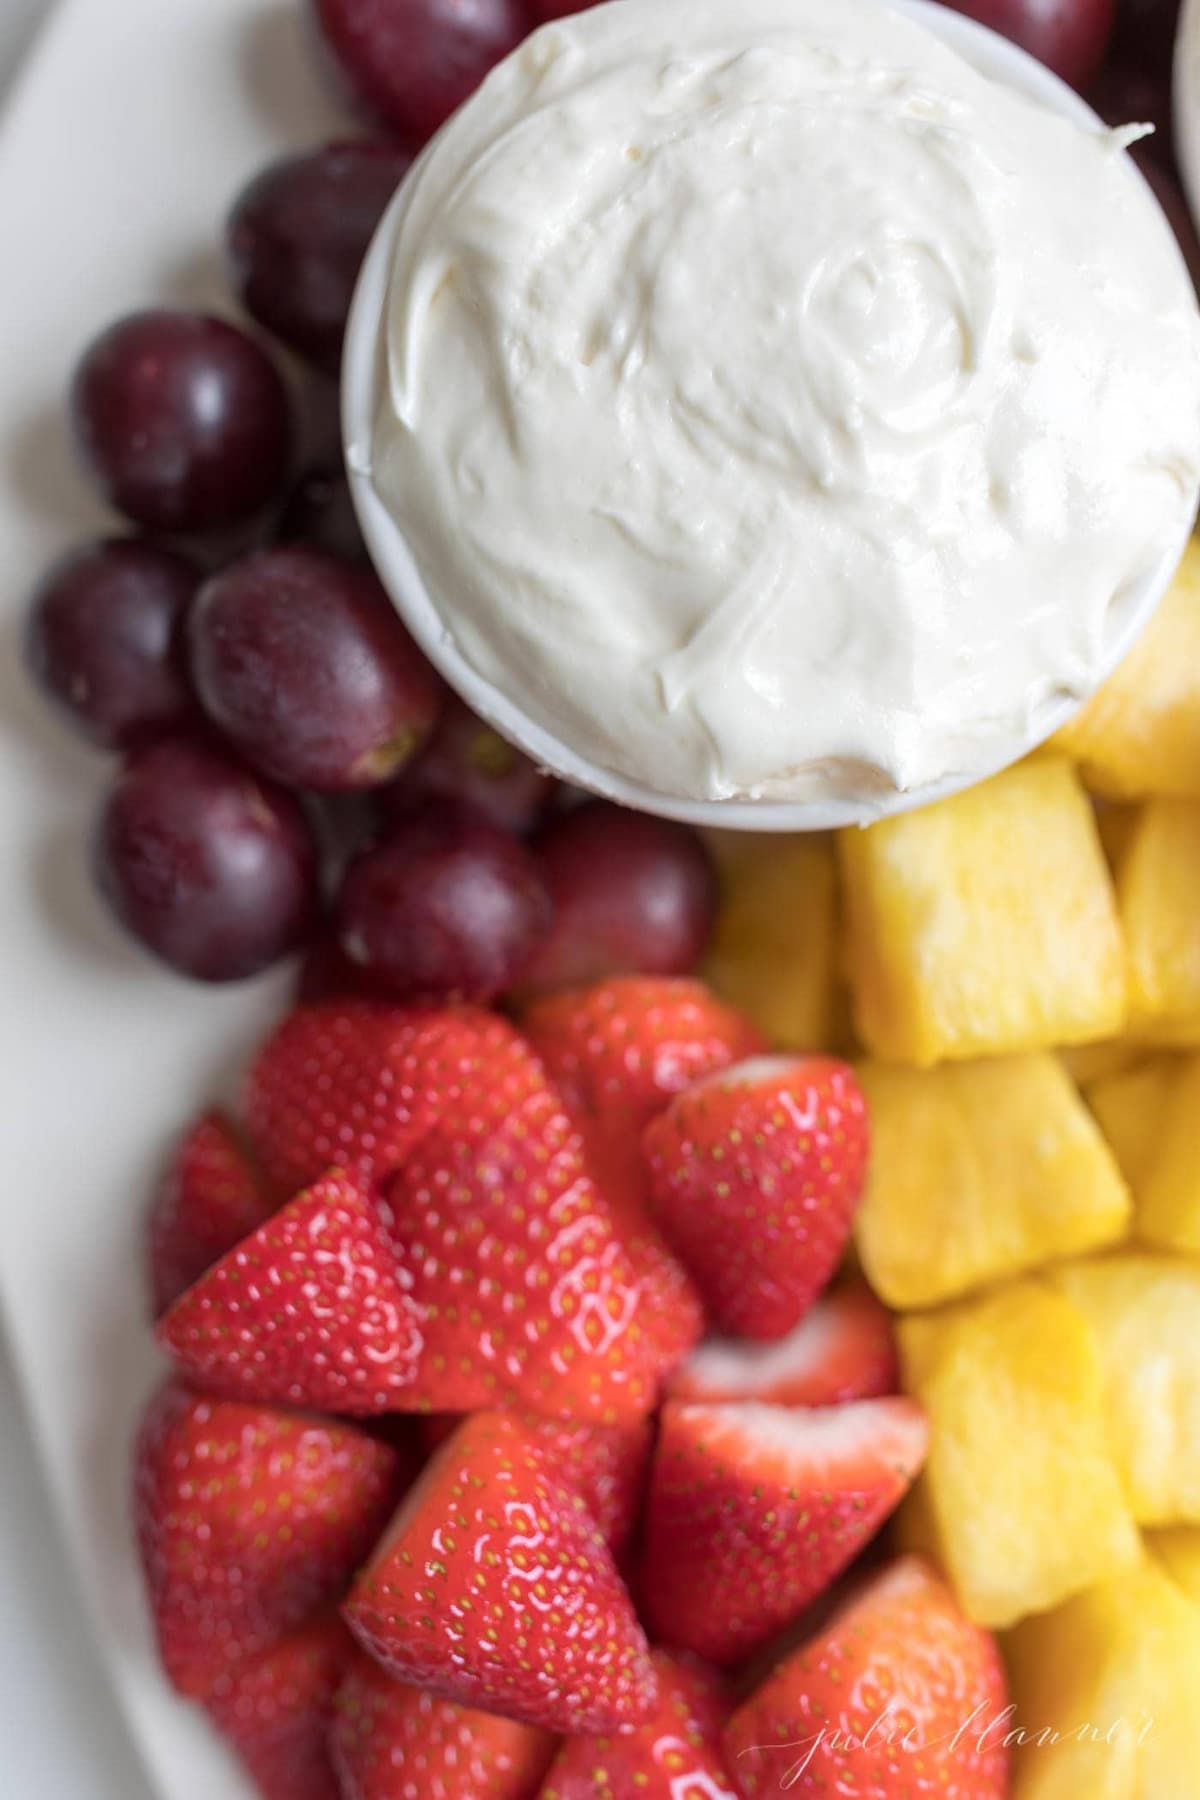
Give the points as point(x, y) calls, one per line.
point(995, 56)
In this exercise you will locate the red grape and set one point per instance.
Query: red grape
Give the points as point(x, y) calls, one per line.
point(411, 62)
point(182, 421)
point(210, 868)
point(466, 760)
point(446, 905)
point(297, 237)
point(301, 661)
point(1123, 94)
point(320, 513)
point(1145, 35)
point(631, 894)
point(1069, 36)
point(543, 10)
point(105, 639)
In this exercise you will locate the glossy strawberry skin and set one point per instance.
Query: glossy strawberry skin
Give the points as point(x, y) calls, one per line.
point(528, 1292)
point(898, 1697)
point(276, 1711)
point(755, 1176)
point(843, 1349)
point(391, 1741)
point(494, 1588)
point(675, 1755)
point(754, 1511)
point(248, 1521)
point(312, 1310)
point(355, 1084)
point(209, 1199)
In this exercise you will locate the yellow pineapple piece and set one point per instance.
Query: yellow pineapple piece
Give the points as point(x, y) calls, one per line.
point(1021, 1488)
point(1089, 1063)
point(1169, 1198)
point(981, 1170)
point(1105, 1693)
point(1140, 734)
point(1158, 879)
point(1145, 1312)
point(1131, 1109)
point(985, 923)
point(1178, 1550)
point(773, 950)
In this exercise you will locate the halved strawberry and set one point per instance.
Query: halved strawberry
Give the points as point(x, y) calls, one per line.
point(844, 1348)
point(528, 1293)
point(897, 1697)
point(753, 1511)
point(249, 1520)
point(756, 1173)
point(276, 1711)
point(312, 1309)
point(675, 1755)
point(606, 1464)
point(209, 1199)
point(493, 1587)
point(355, 1084)
point(391, 1741)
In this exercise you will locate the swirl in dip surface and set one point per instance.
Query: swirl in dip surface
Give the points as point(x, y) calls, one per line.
point(775, 406)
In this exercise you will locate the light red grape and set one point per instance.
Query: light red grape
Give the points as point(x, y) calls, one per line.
point(631, 894)
point(412, 62)
point(1069, 36)
point(466, 760)
point(297, 237)
point(105, 639)
point(182, 421)
point(446, 905)
point(302, 663)
point(209, 867)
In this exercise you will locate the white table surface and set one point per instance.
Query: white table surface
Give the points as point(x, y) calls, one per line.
point(60, 1735)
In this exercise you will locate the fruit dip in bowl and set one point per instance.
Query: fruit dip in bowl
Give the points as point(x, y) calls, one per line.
point(774, 413)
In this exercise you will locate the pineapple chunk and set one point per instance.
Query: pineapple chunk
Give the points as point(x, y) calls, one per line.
point(1178, 1550)
point(1145, 1312)
point(985, 923)
point(1110, 1682)
point(1089, 1063)
point(1140, 734)
point(1169, 1203)
point(772, 951)
point(979, 1171)
point(1020, 1486)
point(1158, 878)
point(1131, 1110)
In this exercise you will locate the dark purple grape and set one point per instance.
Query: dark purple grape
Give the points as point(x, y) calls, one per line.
point(182, 421)
point(466, 760)
point(320, 513)
point(1123, 94)
point(446, 905)
point(1069, 36)
point(105, 640)
point(297, 237)
point(632, 894)
point(303, 664)
point(1145, 36)
point(212, 869)
point(411, 62)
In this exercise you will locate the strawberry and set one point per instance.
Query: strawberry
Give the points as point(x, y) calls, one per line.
point(755, 1174)
point(675, 1755)
point(844, 1348)
point(248, 1521)
point(494, 1588)
point(391, 1741)
point(898, 1697)
point(210, 1198)
point(618, 1051)
point(528, 1294)
point(754, 1510)
point(277, 1708)
point(355, 1084)
point(312, 1310)
point(605, 1464)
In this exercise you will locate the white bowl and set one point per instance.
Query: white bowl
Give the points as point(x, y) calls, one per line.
point(1186, 102)
point(994, 56)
